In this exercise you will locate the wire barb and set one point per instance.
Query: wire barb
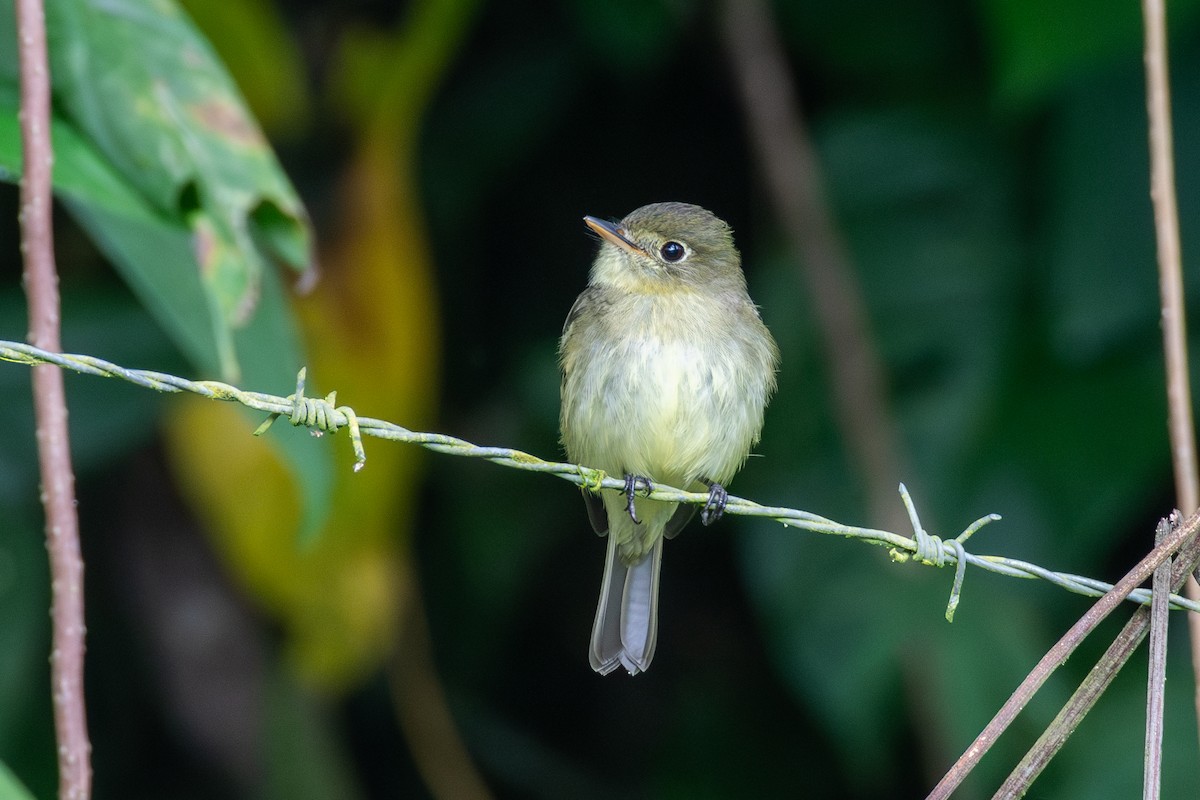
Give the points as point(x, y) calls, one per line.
point(932, 550)
point(320, 417)
point(901, 547)
point(960, 572)
point(927, 547)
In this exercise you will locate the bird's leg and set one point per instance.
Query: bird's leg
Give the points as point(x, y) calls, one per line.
point(632, 484)
point(715, 507)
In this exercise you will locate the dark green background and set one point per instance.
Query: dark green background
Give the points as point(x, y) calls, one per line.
point(987, 165)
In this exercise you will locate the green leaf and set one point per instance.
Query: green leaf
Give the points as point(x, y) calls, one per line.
point(186, 263)
point(10, 787)
point(257, 47)
point(139, 242)
point(152, 252)
point(173, 124)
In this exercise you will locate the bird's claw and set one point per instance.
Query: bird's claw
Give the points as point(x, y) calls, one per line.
point(632, 484)
point(715, 507)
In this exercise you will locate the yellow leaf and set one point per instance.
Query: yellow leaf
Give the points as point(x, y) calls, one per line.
point(371, 330)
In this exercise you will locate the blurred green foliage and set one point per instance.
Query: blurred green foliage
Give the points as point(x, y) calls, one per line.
point(10, 786)
point(987, 165)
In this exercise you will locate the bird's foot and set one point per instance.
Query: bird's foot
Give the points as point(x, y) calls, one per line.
point(632, 484)
point(715, 507)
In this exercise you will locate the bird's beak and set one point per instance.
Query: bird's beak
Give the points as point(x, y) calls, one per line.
point(614, 234)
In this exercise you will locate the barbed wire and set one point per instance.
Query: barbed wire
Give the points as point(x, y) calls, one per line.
point(325, 416)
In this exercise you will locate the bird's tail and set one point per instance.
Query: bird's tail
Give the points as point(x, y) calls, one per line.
point(626, 627)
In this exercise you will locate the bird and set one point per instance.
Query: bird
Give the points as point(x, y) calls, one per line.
point(667, 369)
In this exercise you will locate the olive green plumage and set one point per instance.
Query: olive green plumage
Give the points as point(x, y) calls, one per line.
point(667, 369)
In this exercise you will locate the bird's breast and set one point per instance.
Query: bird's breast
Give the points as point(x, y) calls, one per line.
point(668, 393)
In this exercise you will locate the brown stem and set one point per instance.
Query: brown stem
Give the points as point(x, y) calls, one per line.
point(1166, 226)
point(1157, 679)
point(791, 169)
point(1170, 286)
point(50, 408)
point(1058, 654)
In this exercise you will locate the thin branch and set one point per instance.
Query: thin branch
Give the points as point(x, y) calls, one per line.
point(1057, 655)
point(1170, 285)
point(1166, 227)
point(1094, 685)
point(321, 417)
point(50, 407)
point(1157, 675)
point(792, 172)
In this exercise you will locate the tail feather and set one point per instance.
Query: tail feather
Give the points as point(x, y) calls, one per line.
point(626, 627)
point(606, 638)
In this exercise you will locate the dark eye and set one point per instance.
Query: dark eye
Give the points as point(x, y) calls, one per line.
point(672, 251)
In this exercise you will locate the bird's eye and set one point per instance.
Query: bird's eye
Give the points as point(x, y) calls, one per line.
point(672, 252)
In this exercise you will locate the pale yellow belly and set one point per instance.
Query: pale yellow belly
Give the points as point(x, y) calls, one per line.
point(671, 411)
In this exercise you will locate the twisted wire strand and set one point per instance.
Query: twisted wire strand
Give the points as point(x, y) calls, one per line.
point(323, 416)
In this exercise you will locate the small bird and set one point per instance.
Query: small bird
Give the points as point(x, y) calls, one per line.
point(666, 371)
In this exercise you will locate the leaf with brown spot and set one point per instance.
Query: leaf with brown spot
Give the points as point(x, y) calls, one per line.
point(146, 89)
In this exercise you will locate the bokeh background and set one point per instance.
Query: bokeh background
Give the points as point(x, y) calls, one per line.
point(421, 628)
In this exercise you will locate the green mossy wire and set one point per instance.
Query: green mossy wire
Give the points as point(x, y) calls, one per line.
point(322, 416)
